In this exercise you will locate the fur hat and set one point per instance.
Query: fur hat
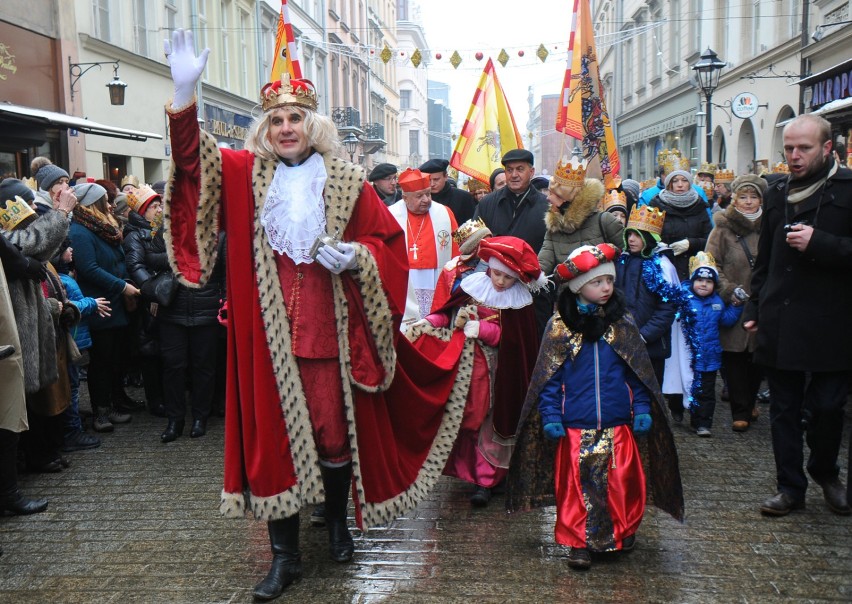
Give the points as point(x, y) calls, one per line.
point(670, 176)
point(412, 181)
point(469, 234)
point(515, 257)
point(47, 176)
point(586, 263)
point(703, 266)
point(89, 193)
point(750, 180)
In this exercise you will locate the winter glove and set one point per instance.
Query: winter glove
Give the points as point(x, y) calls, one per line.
point(35, 270)
point(554, 431)
point(641, 424)
point(337, 259)
point(471, 330)
point(186, 67)
point(680, 247)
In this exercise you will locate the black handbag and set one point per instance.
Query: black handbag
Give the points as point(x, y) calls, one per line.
point(161, 288)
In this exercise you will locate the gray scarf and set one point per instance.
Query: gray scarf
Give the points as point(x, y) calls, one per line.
point(795, 195)
point(679, 200)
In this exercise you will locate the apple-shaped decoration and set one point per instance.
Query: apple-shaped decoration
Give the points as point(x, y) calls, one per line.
point(520, 53)
point(438, 56)
point(478, 56)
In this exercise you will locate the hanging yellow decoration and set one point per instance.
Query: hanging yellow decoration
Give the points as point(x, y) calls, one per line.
point(456, 59)
point(542, 53)
point(386, 54)
point(416, 57)
point(503, 57)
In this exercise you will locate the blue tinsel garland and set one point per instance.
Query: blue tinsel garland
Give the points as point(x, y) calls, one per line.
point(652, 274)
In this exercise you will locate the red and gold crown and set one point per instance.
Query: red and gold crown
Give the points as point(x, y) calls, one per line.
point(780, 168)
point(671, 159)
point(289, 92)
point(614, 199)
point(570, 174)
point(647, 184)
point(724, 176)
point(646, 218)
point(470, 228)
point(14, 213)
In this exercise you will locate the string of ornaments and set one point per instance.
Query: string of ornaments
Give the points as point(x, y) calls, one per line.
point(457, 58)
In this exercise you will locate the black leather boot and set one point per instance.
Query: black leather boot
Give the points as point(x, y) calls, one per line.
point(11, 498)
point(286, 560)
point(173, 430)
point(338, 484)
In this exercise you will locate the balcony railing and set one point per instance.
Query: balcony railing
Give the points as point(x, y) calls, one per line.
point(347, 119)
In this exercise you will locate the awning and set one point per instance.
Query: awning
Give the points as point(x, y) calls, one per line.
point(839, 68)
point(61, 120)
point(840, 105)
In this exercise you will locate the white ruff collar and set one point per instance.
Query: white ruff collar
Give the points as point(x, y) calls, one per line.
point(480, 288)
point(294, 213)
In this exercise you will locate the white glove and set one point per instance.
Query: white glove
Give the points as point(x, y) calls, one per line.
point(337, 260)
point(186, 67)
point(471, 330)
point(679, 247)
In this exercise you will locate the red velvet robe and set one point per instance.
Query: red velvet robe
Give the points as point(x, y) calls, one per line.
point(271, 463)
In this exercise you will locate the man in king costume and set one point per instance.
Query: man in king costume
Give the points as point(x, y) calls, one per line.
point(428, 231)
point(312, 328)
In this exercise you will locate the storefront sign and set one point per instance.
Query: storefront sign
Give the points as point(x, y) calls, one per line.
point(227, 126)
point(832, 88)
point(744, 105)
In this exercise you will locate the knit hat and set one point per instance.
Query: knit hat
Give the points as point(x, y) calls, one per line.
point(412, 181)
point(11, 187)
point(670, 176)
point(703, 266)
point(469, 234)
point(631, 187)
point(492, 179)
point(750, 180)
point(159, 187)
point(586, 263)
point(139, 199)
point(515, 257)
point(47, 176)
point(88, 193)
point(121, 205)
point(382, 171)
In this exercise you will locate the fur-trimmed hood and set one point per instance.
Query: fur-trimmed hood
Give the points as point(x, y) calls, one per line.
point(737, 223)
point(584, 205)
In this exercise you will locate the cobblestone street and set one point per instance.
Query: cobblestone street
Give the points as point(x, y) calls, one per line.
point(137, 521)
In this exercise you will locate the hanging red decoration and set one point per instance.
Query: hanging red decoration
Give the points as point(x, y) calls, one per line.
point(478, 56)
point(520, 53)
point(438, 56)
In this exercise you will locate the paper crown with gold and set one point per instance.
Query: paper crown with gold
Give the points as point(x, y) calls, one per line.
point(707, 168)
point(780, 168)
point(129, 180)
point(289, 92)
point(703, 266)
point(14, 212)
point(30, 182)
point(724, 176)
point(647, 184)
point(140, 199)
point(614, 200)
point(474, 185)
point(671, 160)
point(646, 218)
point(570, 174)
point(469, 234)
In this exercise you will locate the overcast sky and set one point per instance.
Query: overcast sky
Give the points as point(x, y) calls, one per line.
point(487, 26)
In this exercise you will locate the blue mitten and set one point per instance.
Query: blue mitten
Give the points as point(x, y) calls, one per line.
point(641, 424)
point(554, 431)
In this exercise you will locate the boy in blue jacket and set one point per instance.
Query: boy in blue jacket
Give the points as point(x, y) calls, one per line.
point(711, 312)
point(593, 404)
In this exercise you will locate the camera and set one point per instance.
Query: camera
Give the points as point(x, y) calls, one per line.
point(741, 295)
point(789, 227)
point(320, 241)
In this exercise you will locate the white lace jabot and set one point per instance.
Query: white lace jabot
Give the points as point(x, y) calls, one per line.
point(480, 288)
point(293, 215)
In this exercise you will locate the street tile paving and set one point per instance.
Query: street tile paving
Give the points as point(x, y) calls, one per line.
point(136, 521)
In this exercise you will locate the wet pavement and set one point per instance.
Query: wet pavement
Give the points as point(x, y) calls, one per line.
point(137, 521)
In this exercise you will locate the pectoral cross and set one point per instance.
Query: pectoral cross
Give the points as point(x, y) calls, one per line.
point(413, 248)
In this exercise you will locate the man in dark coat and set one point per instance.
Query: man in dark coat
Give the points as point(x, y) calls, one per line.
point(460, 202)
point(384, 178)
point(799, 308)
point(517, 209)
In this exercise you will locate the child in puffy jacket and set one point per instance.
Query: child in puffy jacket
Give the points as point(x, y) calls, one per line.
point(711, 313)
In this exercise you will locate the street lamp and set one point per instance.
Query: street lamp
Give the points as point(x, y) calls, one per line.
point(116, 86)
point(351, 143)
point(819, 34)
point(709, 70)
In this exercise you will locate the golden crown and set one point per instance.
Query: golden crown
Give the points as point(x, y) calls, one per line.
point(671, 160)
point(780, 168)
point(646, 218)
point(614, 198)
point(647, 184)
point(724, 176)
point(31, 183)
point(287, 91)
point(467, 229)
point(707, 168)
point(704, 259)
point(16, 211)
point(570, 174)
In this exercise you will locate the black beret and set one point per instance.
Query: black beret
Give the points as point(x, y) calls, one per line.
point(382, 171)
point(434, 165)
point(518, 155)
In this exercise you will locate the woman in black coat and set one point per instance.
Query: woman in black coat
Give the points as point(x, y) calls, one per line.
point(687, 223)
